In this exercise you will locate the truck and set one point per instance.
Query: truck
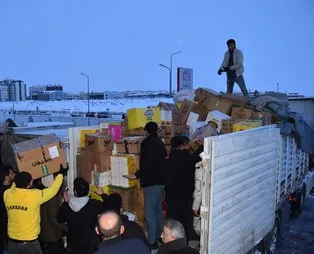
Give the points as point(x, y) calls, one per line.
point(252, 181)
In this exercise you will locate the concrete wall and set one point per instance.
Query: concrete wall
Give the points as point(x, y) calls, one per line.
point(304, 107)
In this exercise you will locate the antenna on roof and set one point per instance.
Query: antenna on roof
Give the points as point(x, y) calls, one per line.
point(277, 87)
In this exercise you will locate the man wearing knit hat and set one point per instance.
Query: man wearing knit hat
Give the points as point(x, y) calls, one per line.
point(233, 66)
point(23, 206)
point(151, 175)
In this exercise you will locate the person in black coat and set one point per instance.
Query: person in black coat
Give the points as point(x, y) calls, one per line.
point(7, 174)
point(151, 175)
point(174, 240)
point(132, 230)
point(80, 213)
point(179, 173)
point(110, 229)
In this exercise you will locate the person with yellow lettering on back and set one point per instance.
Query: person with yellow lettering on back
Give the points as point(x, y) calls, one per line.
point(23, 206)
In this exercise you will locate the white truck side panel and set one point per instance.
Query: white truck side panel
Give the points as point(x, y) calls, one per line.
point(239, 190)
point(74, 135)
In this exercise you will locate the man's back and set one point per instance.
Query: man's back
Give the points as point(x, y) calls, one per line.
point(81, 221)
point(127, 246)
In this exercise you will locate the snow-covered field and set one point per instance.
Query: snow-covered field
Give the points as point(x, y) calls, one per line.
point(118, 106)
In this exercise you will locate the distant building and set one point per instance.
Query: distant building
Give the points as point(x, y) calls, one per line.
point(12, 90)
point(96, 96)
point(50, 96)
point(112, 95)
point(35, 90)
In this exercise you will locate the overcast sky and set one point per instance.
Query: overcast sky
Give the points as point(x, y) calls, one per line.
point(121, 43)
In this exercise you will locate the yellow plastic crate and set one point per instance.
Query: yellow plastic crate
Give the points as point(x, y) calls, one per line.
point(139, 117)
point(246, 125)
point(93, 195)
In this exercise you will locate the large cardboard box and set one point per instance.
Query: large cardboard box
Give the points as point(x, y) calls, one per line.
point(115, 130)
point(140, 206)
point(83, 165)
point(100, 160)
point(139, 117)
point(246, 125)
point(215, 118)
point(227, 126)
point(101, 179)
point(244, 113)
point(186, 108)
point(98, 142)
point(213, 101)
point(129, 197)
point(129, 145)
point(122, 165)
point(41, 156)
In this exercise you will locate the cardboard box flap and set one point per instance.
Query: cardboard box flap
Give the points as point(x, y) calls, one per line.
point(168, 106)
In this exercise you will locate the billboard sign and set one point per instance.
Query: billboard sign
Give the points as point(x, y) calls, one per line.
point(184, 78)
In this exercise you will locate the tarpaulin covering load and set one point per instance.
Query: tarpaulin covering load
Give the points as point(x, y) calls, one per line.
point(292, 123)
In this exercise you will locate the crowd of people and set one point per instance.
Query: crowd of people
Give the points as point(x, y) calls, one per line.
point(41, 217)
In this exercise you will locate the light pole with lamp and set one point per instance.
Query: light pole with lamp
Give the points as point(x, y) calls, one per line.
point(88, 121)
point(170, 71)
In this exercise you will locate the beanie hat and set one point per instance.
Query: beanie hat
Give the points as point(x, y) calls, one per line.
point(176, 141)
point(231, 41)
point(151, 127)
point(113, 203)
point(23, 179)
point(81, 187)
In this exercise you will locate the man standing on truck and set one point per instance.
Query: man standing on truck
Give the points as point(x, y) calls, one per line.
point(232, 64)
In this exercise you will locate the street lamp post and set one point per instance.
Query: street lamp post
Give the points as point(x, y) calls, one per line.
point(88, 120)
point(170, 71)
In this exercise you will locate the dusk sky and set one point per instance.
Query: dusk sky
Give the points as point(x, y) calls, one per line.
point(120, 44)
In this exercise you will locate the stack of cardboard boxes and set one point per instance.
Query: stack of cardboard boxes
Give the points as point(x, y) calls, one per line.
point(94, 159)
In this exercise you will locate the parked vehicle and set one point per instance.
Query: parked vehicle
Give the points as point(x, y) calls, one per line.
point(251, 181)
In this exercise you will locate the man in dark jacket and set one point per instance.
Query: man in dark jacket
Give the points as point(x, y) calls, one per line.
point(7, 174)
point(51, 230)
point(110, 229)
point(131, 228)
point(180, 172)
point(151, 175)
point(80, 213)
point(174, 239)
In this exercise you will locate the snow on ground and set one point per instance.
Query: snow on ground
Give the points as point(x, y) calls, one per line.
point(121, 105)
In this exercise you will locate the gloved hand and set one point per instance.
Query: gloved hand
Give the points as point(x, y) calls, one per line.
point(219, 72)
point(226, 69)
point(64, 171)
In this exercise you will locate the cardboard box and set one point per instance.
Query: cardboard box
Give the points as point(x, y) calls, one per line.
point(213, 101)
point(83, 165)
point(41, 156)
point(246, 125)
point(215, 118)
point(115, 130)
point(129, 197)
point(140, 206)
point(192, 119)
point(245, 113)
point(101, 179)
point(139, 117)
point(122, 165)
point(186, 108)
point(98, 142)
point(100, 160)
point(176, 118)
point(129, 145)
point(227, 126)
point(165, 117)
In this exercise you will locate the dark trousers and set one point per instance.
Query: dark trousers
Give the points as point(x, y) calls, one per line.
point(182, 212)
point(52, 247)
point(241, 83)
point(24, 247)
